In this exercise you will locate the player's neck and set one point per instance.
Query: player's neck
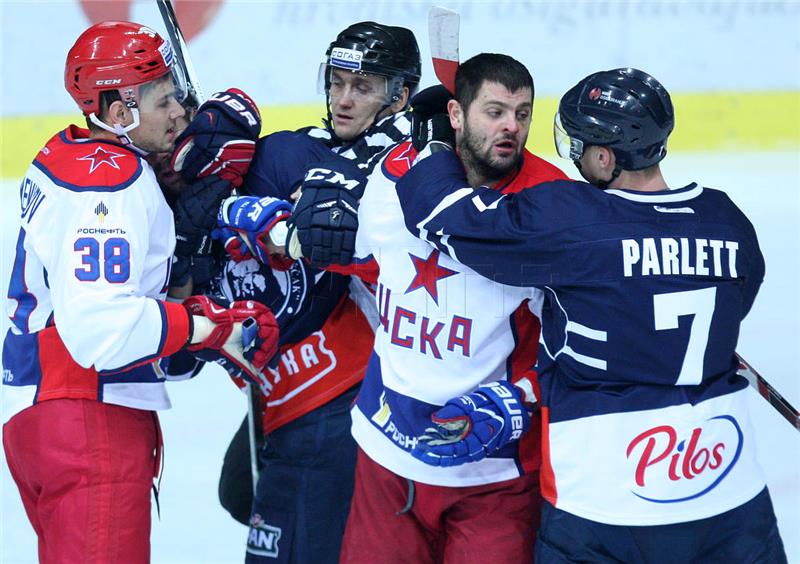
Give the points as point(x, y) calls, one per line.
point(652, 181)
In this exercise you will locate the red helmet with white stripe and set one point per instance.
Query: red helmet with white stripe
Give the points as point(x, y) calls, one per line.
point(117, 56)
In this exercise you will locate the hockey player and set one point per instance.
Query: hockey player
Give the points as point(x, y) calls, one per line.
point(308, 460)
point(444, 331)
point(650, 453)
point(86, 301)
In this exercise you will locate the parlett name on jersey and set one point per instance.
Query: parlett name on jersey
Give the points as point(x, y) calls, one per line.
point(679, 256)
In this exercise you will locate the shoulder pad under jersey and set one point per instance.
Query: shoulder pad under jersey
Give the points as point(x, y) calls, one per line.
point(73, 161)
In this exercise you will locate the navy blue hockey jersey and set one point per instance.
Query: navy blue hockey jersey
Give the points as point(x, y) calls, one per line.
point(645, 418)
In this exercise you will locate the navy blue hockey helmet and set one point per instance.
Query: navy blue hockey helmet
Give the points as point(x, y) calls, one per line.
point(626, 110)
point(374, 48)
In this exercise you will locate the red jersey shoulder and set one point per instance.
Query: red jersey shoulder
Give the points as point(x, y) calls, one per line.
point(75, 162)
point(535, 170)
point(399, 160)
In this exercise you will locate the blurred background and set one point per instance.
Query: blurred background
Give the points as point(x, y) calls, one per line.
point(733, 69)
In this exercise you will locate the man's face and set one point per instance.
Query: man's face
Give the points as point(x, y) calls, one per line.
point(355, 101)
point(169, 180)
point(159, 112)
point(491, 133)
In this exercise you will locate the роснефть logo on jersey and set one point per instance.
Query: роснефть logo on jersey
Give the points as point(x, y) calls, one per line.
point(669, 469)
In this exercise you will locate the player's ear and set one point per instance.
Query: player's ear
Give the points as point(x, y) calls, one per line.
point(401, 102)
point(456, 114)
point(607, 158)
point(119, 113)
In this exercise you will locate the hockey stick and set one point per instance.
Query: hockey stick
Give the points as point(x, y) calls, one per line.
point(195, 98)
point(195, 95)
point(443, 36)
point(769, 393)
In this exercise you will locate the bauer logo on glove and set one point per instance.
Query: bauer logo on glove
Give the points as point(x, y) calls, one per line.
point(220, 140)
point(473, 426)
point(244, 223)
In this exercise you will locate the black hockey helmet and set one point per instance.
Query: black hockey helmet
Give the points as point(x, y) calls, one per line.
point(626, 110)
point(380, 49)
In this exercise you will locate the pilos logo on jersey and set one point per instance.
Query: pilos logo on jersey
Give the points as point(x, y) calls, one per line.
point(346, 58)
point(263, 539)
point(671, 467)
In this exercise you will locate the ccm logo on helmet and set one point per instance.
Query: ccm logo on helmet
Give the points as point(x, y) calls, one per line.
point(109, 82)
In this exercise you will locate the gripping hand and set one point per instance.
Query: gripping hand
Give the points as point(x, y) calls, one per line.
point(246, 333)
point(429, 118)
point(195, 218)
point(244, 223)
point(471, 427)
point(220, 140)
point(325, 219)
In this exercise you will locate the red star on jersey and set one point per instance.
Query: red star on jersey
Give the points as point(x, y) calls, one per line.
point(428, 274)
point(101, 156)
point(404, 156)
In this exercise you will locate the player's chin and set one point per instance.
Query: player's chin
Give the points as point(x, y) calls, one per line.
point(347, 131)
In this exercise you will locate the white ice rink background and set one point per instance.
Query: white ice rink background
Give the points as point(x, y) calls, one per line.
point(690, 46)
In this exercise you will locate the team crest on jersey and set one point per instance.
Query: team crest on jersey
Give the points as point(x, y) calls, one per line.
point(670, 467)
point(101, 156)
point(399, 160)
point(282, 291)
point(428, 274)
point(263, 538)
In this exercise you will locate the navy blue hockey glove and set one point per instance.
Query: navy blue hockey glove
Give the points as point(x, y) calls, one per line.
point(220, 140)
point(195, 217)
point(429, 118)
point(325, 219)
point(473, 426)
point(244, 223)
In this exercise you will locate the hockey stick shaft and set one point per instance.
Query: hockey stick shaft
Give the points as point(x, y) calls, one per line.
point(443, 25)
point(195, 95)
point(195, 98)
point(769, 393)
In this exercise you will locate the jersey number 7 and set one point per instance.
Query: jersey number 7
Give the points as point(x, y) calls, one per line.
point(700, 303)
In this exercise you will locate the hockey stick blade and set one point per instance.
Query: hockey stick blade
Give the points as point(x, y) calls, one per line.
point(195, 95)
point(443, 27)
point(769, 393)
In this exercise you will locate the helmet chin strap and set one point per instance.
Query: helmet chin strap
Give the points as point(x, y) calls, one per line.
point(121, 131)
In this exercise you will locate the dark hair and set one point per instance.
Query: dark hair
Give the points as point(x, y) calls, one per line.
point(107, 97)
point(490, 67)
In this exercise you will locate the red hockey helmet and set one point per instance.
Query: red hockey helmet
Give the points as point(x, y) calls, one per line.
point(118, 56)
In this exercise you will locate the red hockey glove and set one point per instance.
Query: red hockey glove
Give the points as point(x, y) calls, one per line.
point(220, 140)
point(246, 333)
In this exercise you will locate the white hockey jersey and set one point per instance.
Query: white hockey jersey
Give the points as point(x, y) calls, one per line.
point(90, 272)
point(443, 331)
